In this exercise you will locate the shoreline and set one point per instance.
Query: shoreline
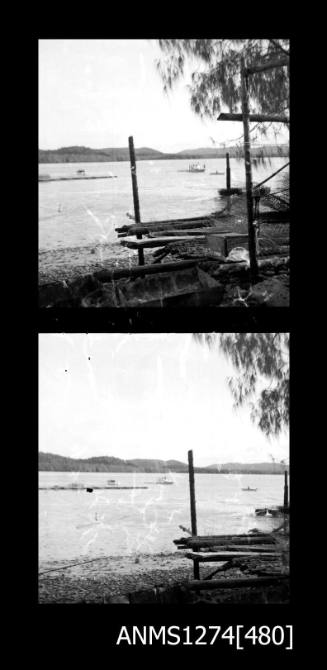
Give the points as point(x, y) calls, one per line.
point(126, 579)
point(108, 276)
point(231, 285)
point(99, 579)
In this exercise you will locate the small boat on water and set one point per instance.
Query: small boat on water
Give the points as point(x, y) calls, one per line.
point(164, 480)
point(196, 167)
point(249, 489)
point(80, 171)
point(111, 482)
point(217, 172)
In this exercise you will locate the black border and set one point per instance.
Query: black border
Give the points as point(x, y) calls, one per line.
point(95, 624)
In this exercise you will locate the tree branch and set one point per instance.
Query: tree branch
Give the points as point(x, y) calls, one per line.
point(276, 44)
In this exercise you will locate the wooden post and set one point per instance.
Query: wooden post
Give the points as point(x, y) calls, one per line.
point(285, 489)
point(274, 118)
point(227, 172)
point(248, 173)
point(135, 194)
point(225, 247)
point(193, 508)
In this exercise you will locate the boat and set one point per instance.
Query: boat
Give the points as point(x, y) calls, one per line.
point(111, 482)
point(164, 480)
point(196, 167)
point(80, 171)
point(249, 489)
point(217, 172)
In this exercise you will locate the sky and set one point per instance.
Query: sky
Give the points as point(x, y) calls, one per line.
point(143, 396)
point(97, 93)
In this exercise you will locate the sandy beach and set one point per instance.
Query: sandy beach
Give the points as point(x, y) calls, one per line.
point(96, 581)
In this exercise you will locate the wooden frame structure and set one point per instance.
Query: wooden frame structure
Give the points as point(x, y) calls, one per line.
point(225, 548)
point(247, 118)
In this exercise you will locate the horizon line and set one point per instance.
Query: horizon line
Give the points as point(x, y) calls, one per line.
point(84, 458)
point(231, 146)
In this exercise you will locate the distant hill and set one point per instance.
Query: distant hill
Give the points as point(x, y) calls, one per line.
point(254, 468)
point(87, 155)
point(55, 463)
point(77, 154)
point(271, 150)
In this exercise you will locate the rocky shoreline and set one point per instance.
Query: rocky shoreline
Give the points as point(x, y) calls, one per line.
point(115, 576)
point(87, 276)
point(229, 284)
point(146, 578)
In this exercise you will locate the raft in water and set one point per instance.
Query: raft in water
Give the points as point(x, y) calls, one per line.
point(79, 178)
point(86, 488)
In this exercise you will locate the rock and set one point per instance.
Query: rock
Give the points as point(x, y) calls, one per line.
point(272, 292)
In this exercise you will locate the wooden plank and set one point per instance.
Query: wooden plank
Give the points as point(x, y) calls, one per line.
point(212, 557)
point(202, 540)
point(251, 547)
point(224, 536)
point(232, 236)
point(147, 228)
point(191, 219)
point(224, 583)
point(213, 544)
point(163, 222)
point(226, 116)
point(194, 231)
point(154, 241)
point(120, 273)
point(157, 241)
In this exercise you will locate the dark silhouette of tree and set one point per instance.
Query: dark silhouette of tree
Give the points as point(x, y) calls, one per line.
point(262, 363)
point(215, 78)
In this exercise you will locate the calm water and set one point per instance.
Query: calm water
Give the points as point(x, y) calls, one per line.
point(82, 214)
point(108, 522)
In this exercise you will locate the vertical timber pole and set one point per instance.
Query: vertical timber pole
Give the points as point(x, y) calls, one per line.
point(227, 172)
point(248, 173)
point(285, 489)
point(135, 195)
point(196, 569)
